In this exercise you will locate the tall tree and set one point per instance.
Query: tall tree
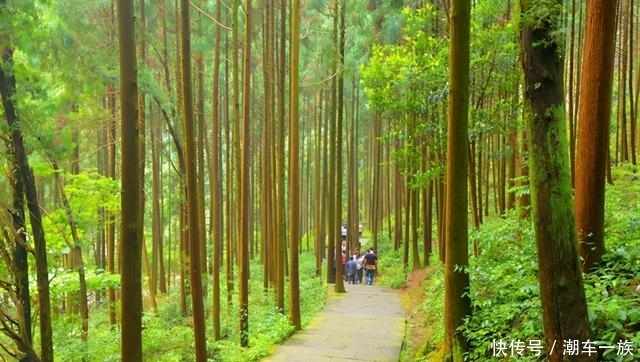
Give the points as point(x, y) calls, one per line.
point(594, 116)
point(244, 234)
point(457, 301)
point(131, 222)
point(76, 247)
point(564, 309)
point(7, 94)
point(280, 160)
point(195, 234)
point(334, 266)
point(214, 181)
point(14, 254)
point(294, 167)
point(340, 33)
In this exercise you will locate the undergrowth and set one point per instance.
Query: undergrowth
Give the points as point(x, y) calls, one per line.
point(168, 335)
point(506, 305)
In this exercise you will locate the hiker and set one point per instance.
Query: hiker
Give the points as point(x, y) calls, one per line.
point(370, 264)
point(360, 267)
point(345, 259)
point(352, 267)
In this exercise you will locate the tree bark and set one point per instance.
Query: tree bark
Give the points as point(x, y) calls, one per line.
point(294, 168)
point(457, 300)
point(215, 185)
point(244, 185)
point(18, 265)
point(130, 227)
point(564, 308)
point(195, 232)
point(594, 117)
point(7, 93)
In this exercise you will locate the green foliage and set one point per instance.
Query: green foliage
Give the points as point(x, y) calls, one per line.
point(397, 76)
point(505, 297)
point(612, 294)
point(88, 193)
point(102, 344)
point(167, 334)
point(65, 282)
point(391, 272)
point(505, 289)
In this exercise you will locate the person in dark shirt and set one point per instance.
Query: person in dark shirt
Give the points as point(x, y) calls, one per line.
point(370, 265)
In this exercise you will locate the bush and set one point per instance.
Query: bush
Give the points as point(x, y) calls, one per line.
point(504, 286)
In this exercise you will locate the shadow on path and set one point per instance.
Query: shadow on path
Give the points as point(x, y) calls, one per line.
point(365, 324)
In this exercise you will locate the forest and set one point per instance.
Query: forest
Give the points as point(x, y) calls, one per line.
point(177, 174)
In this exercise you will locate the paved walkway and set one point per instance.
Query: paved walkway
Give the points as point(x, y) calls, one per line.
point(365, 324)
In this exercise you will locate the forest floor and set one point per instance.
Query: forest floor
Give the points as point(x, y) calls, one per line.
point(419, 329)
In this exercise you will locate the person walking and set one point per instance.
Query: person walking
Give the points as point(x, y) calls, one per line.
point(370, 265)
point(352, 270)
point(360, 267)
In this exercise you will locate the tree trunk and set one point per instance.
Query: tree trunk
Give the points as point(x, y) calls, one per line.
point(457, 300)
point(156, 207)
point(294, 168)
point(593, 130)
point(415, 252)
point(244, 185)
point(130, 227)
point(195, 234)
point(142, 124)
point(280, 213)
point(339, 31)
point(18, 266)
point(376, 182)
point(215, 179)
point(76, 252)
point(564, 308)
point(7, 93)
point(110, 232)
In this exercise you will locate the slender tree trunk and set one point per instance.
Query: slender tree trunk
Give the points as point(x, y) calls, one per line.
point(524, 200)
point(339, 31)
point(156, 209)
point(294, 168)
point(195, 233)
point(131, 228)
point(19, 265)
point(473, 185)
point(110, 217)
point(457, 300)
point(281, 205)
point(623, 74)
point(142, 123)
point(334, 266)
point(376, 189)
point(215, 179)
point(320, 193)
point(405, 240)
point(397, 204)
point(244, 185)
point(415, 252)
point(77, 253)
point(512, 167)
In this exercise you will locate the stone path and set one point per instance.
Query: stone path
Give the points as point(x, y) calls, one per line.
point(365, 324)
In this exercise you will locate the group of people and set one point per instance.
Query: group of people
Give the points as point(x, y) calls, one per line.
point(359, 265)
